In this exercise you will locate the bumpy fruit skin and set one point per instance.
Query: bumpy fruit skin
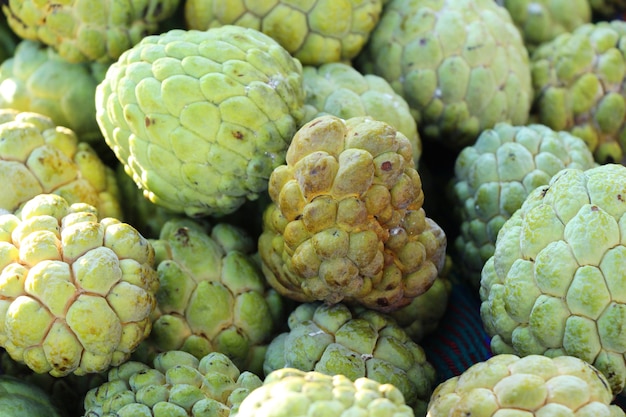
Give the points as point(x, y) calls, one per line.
point(201, 118)
point(460, 64)
point(314, 32)
point(543, 20)
point(578, 83)
point(212, 295)
point(493, 176)
point(176, 384)
point(76, 293)
point(346, 222)
point(86, 30)
point(554, 285)
point(19, 398)
point(39, 157)
point(337, 340)
point(36, 79)
point(294, 393)
point(535, 385)
point(339, 89)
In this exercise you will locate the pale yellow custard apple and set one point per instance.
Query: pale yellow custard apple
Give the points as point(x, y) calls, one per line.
point(201, 118)
point(506, 385)
point(314, 32)
point(346, 222)
point(76, 293)
point(212, 295)
point(87, 30)
point(291, 392)
point(38, 157)
point(555, 284)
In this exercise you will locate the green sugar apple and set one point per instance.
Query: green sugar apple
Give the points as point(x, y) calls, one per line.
point(175, 384)
point(356, 343)
point(461, 65)
point(76, 293)
point(314, 32)
point(578, 79)
point(87, 30)
point(346, 221)
point(201, 118)
point(555, 284)
point(493, 176)
point(291, 392)
point(533, 386)
point(541, 21)
point(340, 90)
point(39, 157)
point(212, 294)
point(36, 79)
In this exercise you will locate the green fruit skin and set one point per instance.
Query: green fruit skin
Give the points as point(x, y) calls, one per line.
point(200, 119)
point(547, 290)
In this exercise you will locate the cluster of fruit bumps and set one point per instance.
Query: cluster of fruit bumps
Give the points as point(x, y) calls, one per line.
point(260, 208)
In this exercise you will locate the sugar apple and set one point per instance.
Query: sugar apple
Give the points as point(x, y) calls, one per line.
point(87, 30)
point(20, 398)
point(535, 385)
point(578, 82)
point(212, 295)
point(339, 89)
point(76, 293)
point(200, 118)
point(37, 157)
point(554, 285)
point(294, 393)
point(36, 79)
point(541, 21)
point(493, 176)
point(337, 340)
point(461, 65)
point(176, 384)
point(314, 32)
point(346, 222)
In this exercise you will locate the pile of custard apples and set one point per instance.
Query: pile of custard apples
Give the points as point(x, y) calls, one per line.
point(262, 208)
